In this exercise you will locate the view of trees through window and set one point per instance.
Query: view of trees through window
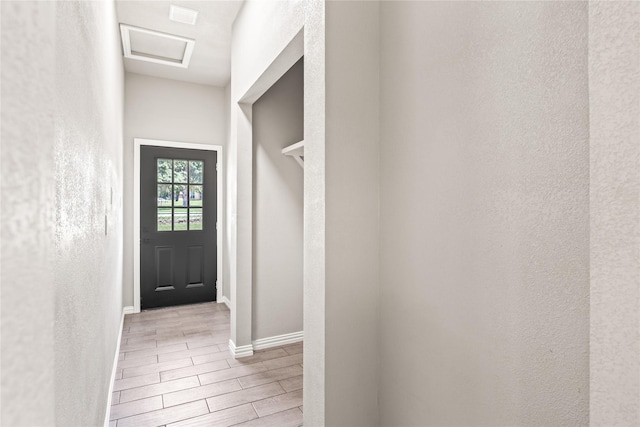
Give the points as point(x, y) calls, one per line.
point(180, 186)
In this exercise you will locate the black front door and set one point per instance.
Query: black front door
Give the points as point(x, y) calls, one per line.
point(177, 226)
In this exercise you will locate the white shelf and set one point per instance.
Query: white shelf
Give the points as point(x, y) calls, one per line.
point(296, 151)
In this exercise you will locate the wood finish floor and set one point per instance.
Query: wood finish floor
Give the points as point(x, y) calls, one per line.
point(175, 370)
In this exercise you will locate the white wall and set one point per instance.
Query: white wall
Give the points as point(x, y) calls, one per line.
point(61, 164)
point(614, 91)
point(484, 214)
point(277, 208)
point(28, 228)
point(167, 110)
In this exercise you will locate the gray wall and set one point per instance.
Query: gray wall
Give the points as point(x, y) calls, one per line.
point(277, 208)
point(352, 147)
point(62, 112)
point(167, 110)
point(261, 32)
point(484, 230)
point(614, 130)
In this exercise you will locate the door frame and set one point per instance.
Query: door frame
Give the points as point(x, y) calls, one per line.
point(137, 143)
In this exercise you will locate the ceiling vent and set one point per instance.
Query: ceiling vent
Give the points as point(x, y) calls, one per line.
point(182, 14)
point(153, 46)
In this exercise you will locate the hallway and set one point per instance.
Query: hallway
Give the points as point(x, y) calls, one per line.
point(175, 369)
point(465, 234)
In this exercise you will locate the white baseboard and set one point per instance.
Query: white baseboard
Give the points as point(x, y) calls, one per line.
point(125, 310)
point(224, 300)
point(241, 351)
point(278, 340)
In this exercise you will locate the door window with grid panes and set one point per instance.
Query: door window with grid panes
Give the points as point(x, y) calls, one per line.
point(180, 190)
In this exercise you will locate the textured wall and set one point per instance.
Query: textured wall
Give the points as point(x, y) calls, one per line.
point(171, 111)
point(62, 155)
point(277, 208)
point(484, 214)
point(88, 206)
point(614, 90)
point(314, 214)
point(28, 227)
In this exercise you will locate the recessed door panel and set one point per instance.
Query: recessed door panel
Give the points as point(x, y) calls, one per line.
point(195, 260)
point(164, 268)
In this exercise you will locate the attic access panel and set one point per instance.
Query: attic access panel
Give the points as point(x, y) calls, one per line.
point(153, 46)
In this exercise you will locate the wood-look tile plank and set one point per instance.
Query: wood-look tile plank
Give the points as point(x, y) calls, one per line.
point(162, 342)
point(151, 325)
point(281, 362)
point(138, 346)
point(159, 389)
point(225, 418)
point(223, 326)
point(204, 342)
point(292, 384)
point(118, 375)
point(199, 335)
point(269, 376)
point(157, 367)
point(132, 382)
point(278, 403)
point(241, 397)
point(258, 356)
point(155, 315)
point(140, 361)
point(202, 327)
point(193, 370)
point(239, 371)
point(166, 415)
point(136, 407)
point(152, 351)
point(158, 337)
point(294, 348)
point(202, 392)
point(137, 340)
point(199, 308)
point(113, 423)
point(142, 334)
point(192, 309)
point(167, 330)
point(156, 345)
point(288, 418)
point(166, 357)
point(212, 357)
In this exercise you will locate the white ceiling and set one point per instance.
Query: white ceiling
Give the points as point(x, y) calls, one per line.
point(211, 60)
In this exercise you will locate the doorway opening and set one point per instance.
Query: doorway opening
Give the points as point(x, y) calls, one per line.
point(174, 260)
